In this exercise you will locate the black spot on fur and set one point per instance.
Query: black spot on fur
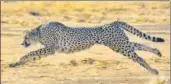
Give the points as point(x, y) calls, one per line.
point(154, 39)
point(149, 37)
point(140, 34)
point(144, 35)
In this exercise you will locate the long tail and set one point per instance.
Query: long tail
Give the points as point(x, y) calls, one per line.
point(137, 32)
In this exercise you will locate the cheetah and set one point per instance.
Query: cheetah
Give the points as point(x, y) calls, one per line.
point(57, 37)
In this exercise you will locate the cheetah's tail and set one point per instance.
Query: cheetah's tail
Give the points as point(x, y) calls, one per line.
point(138, 33)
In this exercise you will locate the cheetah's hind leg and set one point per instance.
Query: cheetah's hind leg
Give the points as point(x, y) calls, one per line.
point(138, 46)
point(132, 55)
point(34, 55)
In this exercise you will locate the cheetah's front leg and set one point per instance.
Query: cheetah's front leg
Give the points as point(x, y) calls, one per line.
point(34, 55)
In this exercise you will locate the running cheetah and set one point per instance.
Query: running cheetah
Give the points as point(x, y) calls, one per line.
point(56, 36)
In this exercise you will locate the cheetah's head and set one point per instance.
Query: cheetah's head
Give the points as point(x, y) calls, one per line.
point(30, 38)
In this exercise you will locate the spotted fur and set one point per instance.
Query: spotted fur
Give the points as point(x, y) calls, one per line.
point(57, 37)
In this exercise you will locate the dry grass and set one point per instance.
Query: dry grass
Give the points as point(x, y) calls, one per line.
point(86, 12)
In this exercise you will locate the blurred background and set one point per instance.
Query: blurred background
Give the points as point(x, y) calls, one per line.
point(36, 12)
point(97, 65)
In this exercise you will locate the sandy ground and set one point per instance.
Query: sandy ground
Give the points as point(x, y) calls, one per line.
point(97, 65)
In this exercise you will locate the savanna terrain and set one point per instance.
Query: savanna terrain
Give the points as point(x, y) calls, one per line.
point(97, 65)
